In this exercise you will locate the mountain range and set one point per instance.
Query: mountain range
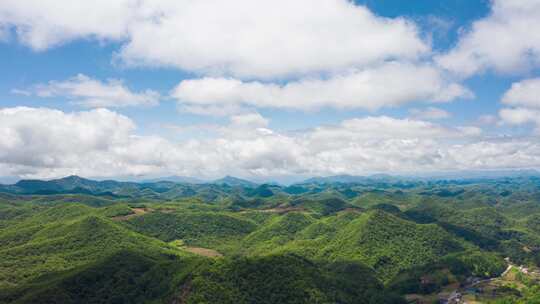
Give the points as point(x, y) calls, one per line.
point(76, 184)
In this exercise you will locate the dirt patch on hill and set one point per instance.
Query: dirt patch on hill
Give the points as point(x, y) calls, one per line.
point(136, 212)
point(278, 210)
point(204, 252)
point(353, 210)
point(167, 210)
point(282, 210)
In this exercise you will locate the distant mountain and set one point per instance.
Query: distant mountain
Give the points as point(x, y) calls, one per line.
point(69, 184)
point(182, 187)
point(234, 182)
point(176, 179)
point(433, 176)
point(159, 189)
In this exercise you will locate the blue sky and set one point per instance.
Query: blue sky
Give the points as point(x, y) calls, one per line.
point(268, 90)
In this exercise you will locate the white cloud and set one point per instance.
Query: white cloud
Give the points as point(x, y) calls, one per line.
point(43, 138)
point(237, 37)
point(42, 24)
point(267, 38)
point(430, 113)
point(506, 40)
point(388, 85)
point(518, 116)
point(249, 120)
point(507, 153)
point(523, 97)
point(92, 93)
point(525, 93)
point(40, 142)
point(384, 127)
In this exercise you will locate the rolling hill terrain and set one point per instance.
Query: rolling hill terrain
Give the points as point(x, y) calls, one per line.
point(332, 240)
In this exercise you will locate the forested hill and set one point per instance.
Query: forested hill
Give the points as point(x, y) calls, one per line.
point(373, 240)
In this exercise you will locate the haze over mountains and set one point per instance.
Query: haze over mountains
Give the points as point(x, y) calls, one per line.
point(74, 182)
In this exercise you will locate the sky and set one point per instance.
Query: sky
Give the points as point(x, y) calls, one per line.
point(267, 90)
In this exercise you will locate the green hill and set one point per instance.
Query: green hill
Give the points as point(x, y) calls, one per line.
point(382, 241)
point(284, 279)
point(277, 231)
point(125, 276)
point(65, 244)
point(194, 228)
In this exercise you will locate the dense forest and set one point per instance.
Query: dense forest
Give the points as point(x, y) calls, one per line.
point(336, 240)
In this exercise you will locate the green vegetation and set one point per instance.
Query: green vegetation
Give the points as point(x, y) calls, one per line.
point(350, 241)
point(127, 276)
point(194, 228)
point(284, 279)
point(377, 239)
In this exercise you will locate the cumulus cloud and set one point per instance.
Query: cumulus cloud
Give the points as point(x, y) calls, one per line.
point(504, 41)
point(520, 116)
point(92, 93)
point(525, 103)
point(237, 37)
point(388, 85)
point(42, 24)
point(430, 113)
point(41, 142)
point(268, 38)
point(46, 138)
point(525, 93)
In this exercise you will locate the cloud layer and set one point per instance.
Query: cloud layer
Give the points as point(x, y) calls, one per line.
point(40, 142)
point(247, 55)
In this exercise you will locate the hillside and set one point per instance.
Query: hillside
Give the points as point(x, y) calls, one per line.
point(61, 239)
point(284, 279)
point(377, 239)
point(194, 228)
